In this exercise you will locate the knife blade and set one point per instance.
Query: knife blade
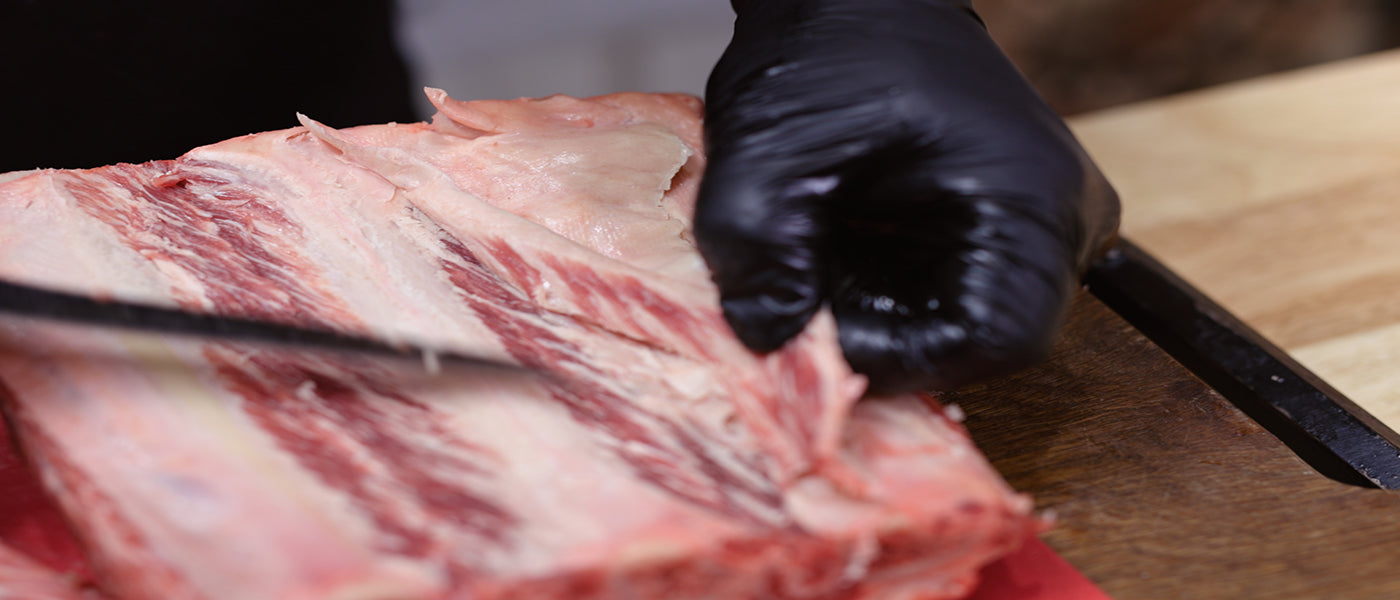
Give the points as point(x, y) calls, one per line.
point(1320, 424)
point(37, 302)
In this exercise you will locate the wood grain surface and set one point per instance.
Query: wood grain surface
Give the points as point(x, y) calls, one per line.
point(1279, 198)
point(1162, 489)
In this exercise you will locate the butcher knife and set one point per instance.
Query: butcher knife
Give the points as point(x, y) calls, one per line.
point(1317, 422)
point(36, 302)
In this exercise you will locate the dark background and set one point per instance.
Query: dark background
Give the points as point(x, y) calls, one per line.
point(1090, 54)
point(88, 83)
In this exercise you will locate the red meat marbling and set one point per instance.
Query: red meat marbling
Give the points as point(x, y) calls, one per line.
point(659, 459)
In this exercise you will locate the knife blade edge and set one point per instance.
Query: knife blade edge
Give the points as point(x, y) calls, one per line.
point(43, 303)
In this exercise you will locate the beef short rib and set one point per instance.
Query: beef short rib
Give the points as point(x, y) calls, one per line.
point(660, 458)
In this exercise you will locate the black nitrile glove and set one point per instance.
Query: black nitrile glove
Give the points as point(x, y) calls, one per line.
point(884, 157)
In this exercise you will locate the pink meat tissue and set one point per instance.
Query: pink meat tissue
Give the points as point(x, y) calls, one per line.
point(658, 459)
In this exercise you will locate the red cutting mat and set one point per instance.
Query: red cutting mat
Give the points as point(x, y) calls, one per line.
point(32, 525)
point(1035, 572)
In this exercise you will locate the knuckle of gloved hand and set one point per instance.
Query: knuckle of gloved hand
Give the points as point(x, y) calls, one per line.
point(1053, 161)
point(1008, 314)
point(954, 353)
point(929, 355)
point(1051, 187)
point(733, 221)
point(1075, 192)
point(980, 334)
point(767, 295)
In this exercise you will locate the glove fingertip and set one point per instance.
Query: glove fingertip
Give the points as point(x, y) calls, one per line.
point(928, 355)
point(763, 323)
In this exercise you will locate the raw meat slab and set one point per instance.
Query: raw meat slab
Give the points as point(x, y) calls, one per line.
point(659, 458)
point(38, 560)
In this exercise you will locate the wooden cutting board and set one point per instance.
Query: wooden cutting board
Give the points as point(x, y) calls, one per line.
point(1163, 489)
point(1276, 196)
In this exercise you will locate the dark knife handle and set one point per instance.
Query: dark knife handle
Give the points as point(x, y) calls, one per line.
point(1319, 423)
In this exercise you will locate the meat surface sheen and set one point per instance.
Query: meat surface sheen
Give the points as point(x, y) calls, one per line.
point(657, 459)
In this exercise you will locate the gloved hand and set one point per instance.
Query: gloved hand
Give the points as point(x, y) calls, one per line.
point(884, 157)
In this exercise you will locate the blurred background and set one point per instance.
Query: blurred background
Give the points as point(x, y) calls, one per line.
point(96, 83)
point(1081, 54)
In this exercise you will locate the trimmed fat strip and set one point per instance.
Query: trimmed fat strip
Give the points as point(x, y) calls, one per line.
point(660, 460)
